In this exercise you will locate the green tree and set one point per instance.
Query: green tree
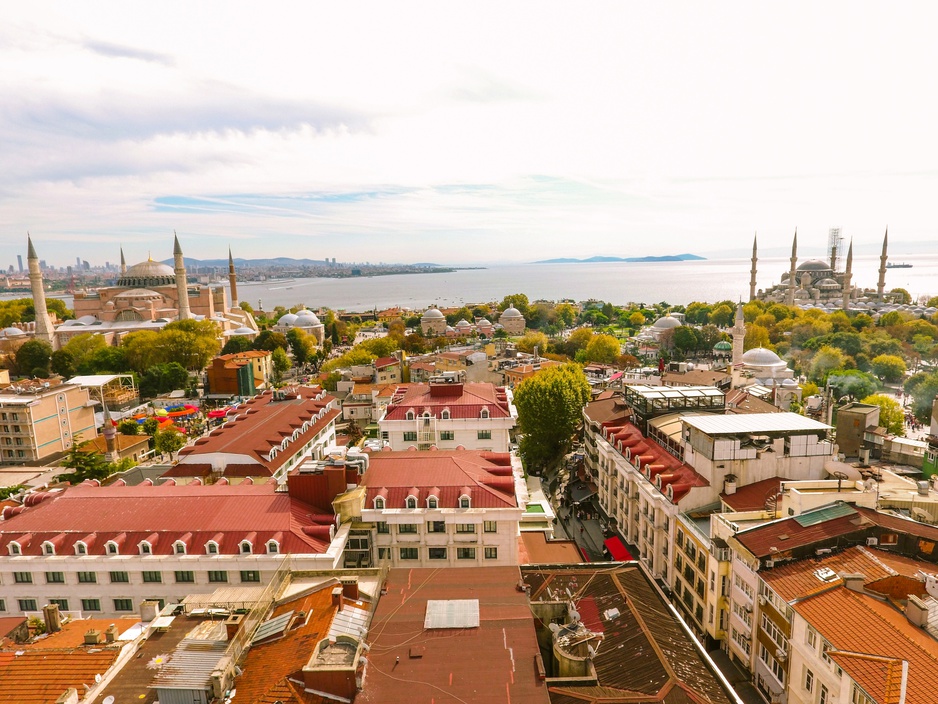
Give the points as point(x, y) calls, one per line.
point(33, 358)
point(577, 340)
point(923, 388)
point(685, 339)
point(128, 427)
point(756, 336)
point(302, 346)
point(722, 315)
point(82, 348)
point(549, 405)
point(151, 426)
point(140, 348)
point(891, 415)
point(169, 441)
point(531, 340)
point(63, 363)
point(828, 359)
point(237, 344)
point(902, 296)
point(515, 300)
point(636, 319)
point(280, 361)
point(163, 378)
point(852, 384)
point(84, 464)
point(191, 343)
point(603, 349)
point(888, 368)
point(269, 340)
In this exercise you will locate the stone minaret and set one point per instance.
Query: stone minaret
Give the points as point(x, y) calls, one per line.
point(848, 274)
point(232, 280)
point(123, 263)
point(792, 276)
point(752, 272)
point(881, 285)
point(44, 329)
point(110, 435)
point(181, 287)
point(738, 331)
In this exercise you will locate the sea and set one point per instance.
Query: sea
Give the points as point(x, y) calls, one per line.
point(676, 283)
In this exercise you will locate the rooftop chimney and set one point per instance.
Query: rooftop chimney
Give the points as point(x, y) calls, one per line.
point(916, 611)
point(52, 618)
point(110, 635)
point(854, 582)
point(337, 597)
point(350, 587)
point(233, 624)
point(93, 637)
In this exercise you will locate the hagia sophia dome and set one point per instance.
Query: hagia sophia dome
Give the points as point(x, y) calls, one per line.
point(147, 275)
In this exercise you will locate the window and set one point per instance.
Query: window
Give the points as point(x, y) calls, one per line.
point(491, 553)
point(773, 631)
point(61, 603)
point(23, 577)
point(447, 435)
point(465, 553)
point(123, 604)
point(90, 604)
point(27, 605)
point(55, 578)
point(490, 526)
point(410, 436)
point(437, 553)
point(808, 680)
point(250, 576)
point(774, 665)
point(810, 638)
point(185, 576)
point(741, 613)
point(484, 435)
point(409, 416)
point(3, 605)
point(379, 503)
point(48, 549)
point(741, 640)
point(383, 527)
point(465, 528)
point(15, 549)
point(180, 548)
point(273, 547)
point(211, 547)
point(121, 577)
point(825, 646)
point(87, 578)
point(146, 548)
point(81, 548)
point(246, 548)
point(463, 501)
point(433, 502)
point(824, 697)
point(408, 553)
point(384, 553)
point(407, 528)
point(152, 576)
point(889, 539)
point(112, 548)
point(860, 697)
point(484, 413)
point(436, 527)
point(411, 502)
point(217, 576)
point(444, 415)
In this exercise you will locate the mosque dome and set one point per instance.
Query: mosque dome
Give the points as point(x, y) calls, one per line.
point(666, 323)
point(828, 284)
point(723, 346)
point(511, 312)
point(146, 274)
point(761, 357)
point(431, 314)
point(814, 265)
point(242, 331)
point(137, 294)
point(11, 332)
point(287, 320)
point(306, 319)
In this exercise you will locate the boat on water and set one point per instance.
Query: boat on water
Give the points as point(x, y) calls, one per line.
point(898, 265)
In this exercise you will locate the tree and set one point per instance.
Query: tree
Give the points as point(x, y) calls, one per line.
point(888, 368)
point(576, 341)
point(151, 426)
point(63, 364)
point(191, 343)
point(531, 340)
point(128, 427)
point(302, 346)
point(82, 348)
point(603, 349)
point(549, 405)
point(280, 361)
point(169, 441)
point(162, 378)
point(354, 433)
point(827, 360)
point(923, 388)
point(84, 464)
point(756, 336)
point(902, 296)
point(852, 384)
point(891, 415)
point(236, 344)
point(33, 358)
point(685, 339)
point(140, 349)
point(269, 340)
point(636, 319)
point(515, 300)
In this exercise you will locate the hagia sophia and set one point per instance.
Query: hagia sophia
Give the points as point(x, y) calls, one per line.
point(147, 296)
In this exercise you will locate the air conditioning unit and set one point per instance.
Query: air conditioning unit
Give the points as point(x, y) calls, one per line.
point(770, 563)
point(872, 541)
point(781, 655)
point(761, 600)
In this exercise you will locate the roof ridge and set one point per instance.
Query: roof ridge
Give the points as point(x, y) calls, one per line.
point(865, 551)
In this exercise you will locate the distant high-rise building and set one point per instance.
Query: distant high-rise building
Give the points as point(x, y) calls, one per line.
point(19, 260)
point(68, 270)
point(78, 262)
point(42, 263)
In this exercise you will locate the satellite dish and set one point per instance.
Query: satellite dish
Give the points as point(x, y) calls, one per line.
point(554, 628)
point(575, 616)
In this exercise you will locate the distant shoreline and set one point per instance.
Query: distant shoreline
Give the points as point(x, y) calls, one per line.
point(627, 260)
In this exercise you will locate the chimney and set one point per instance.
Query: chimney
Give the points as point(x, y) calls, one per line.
point(149, 610)
point(350, 587)
point(337, 597)
point(110, 635)
point(916, 611)
point(52, 618)
point(854, 582)
point(233, 625)
point(729, 484)
point(93, 637)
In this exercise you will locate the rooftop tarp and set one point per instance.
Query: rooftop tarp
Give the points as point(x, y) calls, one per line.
point(617, 549)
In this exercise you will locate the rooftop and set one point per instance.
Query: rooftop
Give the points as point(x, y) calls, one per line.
point(461, 400)
point(753, 497)
point(754, 423)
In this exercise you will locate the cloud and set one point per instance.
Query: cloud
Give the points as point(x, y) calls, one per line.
point(120, 51)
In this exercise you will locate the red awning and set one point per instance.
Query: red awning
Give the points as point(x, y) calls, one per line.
point(617, 549)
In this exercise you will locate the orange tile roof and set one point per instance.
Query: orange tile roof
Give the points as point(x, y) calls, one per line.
point(535, 549)
point(857, 623)
point(753, 497)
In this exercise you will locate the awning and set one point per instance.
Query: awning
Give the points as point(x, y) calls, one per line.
point(617, 549)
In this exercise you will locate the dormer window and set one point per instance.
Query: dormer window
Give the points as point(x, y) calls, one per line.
point(484, 413)
point(444, 414)
point(211, 547)
point(15, 549)
point(433, 502)
point(112, 548)
point(410, 415)
point(179, 547)
point(411, 502)
point(81, 548)
point(463, 501)
point(48, 548)
point(146, 548)
point(246, 547)
point(272, 547)
point(379, 503)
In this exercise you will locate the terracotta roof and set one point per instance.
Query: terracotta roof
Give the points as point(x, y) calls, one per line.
point(448, 664)
point(129, 514)
point(262, 424)
point(741, 401)
point(446, 474)
point(269, 665)
point(383, 362)
point(788, 534)
point(124, 442)
point(462, 400)
point(753, 497)
point(796, 580)
point(663, 661)
point(859, 624)
point(605, 410)
point(536, 549)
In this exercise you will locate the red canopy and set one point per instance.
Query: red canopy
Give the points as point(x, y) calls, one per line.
point(617, 549)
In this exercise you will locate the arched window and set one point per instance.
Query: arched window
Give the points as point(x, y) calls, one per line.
point(445, 414)
point(273, 547)
point(81, 548)
point(211, 547)
point(433, 502)
point(48, 548)
point(145, 548)
point(484, 413)
point(112, 548)
point(179, 547)
point(246, 547)
point(410, 415)
point(411, 502)
point(463, 501)
point(15, 549)
point(379, 502)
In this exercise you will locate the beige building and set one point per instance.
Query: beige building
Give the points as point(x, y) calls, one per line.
point(39, 419)
point(512, 321)
point(433, 322)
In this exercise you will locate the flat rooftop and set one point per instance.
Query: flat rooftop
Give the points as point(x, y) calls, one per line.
point(754, 423)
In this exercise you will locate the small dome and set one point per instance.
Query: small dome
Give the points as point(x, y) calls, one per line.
point(723, 345)
point(666, 323)
point(463, 324)
point(814, 265)
point(432, 313)
point(828, 283)
point(143, 294)
point(306, 319)
point(511, 312)
point(242, 331)
point(761, 357)
point(12, 332)
point(148, 273)
point(287, 320)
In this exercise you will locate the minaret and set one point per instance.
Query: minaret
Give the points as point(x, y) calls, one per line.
point(123, 263)
point(752, 272)
point(848, 274)
point(881, 285)
point(738, 331)
point(181, 287)
point(232, 280)
point(44, 329)
point(110, 435)
point(792, 283)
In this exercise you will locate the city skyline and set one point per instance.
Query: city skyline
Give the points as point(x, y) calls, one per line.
point(462, 135)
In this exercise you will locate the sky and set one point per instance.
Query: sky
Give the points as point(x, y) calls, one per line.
point(464, 133)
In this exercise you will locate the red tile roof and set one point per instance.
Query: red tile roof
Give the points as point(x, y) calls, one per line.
point(787, 534)
point(383, 362)
point(861, 625)
point(494, 662)
point(462, 401)
point(486, 476)
point(753, 497)
point(129, 514)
